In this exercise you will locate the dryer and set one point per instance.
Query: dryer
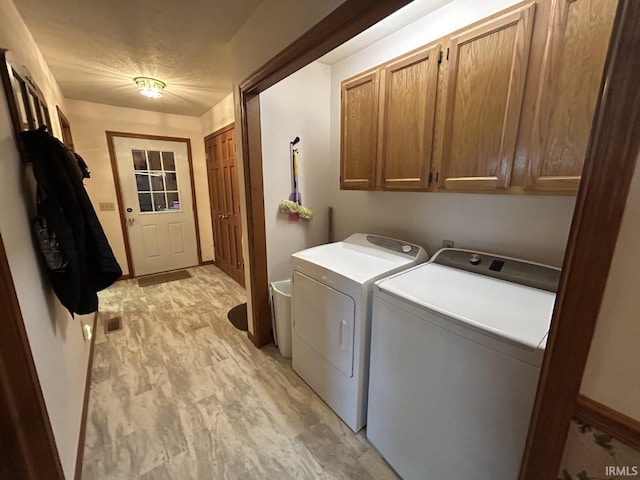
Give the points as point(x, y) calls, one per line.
point(332, 295)
point(456, 349)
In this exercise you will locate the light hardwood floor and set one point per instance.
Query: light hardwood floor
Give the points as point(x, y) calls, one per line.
point(180, 394)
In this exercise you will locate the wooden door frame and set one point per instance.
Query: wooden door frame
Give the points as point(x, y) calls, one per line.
point(116, 181)
point(65, 124)
point(601, 200)
point(27, 443)
point(216, 133)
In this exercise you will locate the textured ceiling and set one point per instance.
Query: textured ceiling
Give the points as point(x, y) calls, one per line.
point(95, 48)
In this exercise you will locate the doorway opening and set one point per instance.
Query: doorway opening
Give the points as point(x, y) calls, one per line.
point(556, 399)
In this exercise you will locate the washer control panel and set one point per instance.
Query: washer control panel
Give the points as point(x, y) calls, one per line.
point(503, 268)
point(394, 245)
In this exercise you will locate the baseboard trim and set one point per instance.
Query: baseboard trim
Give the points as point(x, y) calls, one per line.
point(609, 421)
point(207, 262)
point(128, 276)
point(252, 338)
point(85, 403)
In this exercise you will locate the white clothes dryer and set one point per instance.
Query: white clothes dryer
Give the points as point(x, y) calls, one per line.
point(332, 294)
point(456, 349)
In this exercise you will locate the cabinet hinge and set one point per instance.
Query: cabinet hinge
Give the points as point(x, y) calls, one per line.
point(440, 57)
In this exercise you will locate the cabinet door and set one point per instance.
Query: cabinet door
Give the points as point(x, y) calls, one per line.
point(570, 79)
point(359, 131)
point(485, 75)
point(409, 109)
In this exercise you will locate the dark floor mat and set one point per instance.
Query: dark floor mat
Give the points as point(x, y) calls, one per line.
point(238, 317)
point(162, 278)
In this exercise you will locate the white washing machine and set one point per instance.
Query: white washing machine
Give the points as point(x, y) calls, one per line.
point(332, 294)
point(456, 349)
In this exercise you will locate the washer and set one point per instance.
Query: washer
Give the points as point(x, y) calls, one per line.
point(332, 294)
point(456, 349)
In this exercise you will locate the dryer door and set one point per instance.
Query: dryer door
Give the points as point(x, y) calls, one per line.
point(324, 319)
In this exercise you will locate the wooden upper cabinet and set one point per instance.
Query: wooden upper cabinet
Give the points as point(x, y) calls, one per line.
point(483, 92)
point(577, 42)
point(409, 85)
point(359, 131)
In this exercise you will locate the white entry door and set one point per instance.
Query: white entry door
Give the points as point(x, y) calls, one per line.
point(155, 183)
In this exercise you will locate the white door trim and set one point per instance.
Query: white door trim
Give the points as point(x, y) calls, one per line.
point(116, 179)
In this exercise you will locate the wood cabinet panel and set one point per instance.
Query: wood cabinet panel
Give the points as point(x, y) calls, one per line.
point(359, 131)
point(409, 106)
point(577, 42)
point(484, 83)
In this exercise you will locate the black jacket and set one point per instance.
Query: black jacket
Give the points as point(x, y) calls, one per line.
point(65, 206)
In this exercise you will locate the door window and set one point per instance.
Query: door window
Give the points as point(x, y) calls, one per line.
point(156, 181)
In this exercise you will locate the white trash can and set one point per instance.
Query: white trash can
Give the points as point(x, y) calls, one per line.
point(281, 304)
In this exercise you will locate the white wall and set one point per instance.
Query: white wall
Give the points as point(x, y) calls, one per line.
point(89, 122)
point(59, 351)
point(295, 107)
point(611, 375)
point(531, 227)
point(220, 115)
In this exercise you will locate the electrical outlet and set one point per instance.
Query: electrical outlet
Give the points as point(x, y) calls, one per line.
point(447, 243)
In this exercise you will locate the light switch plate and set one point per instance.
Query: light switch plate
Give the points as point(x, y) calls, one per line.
point(107, 206)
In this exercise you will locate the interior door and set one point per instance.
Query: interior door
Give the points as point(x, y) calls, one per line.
point(225, 203)
point(155, 184)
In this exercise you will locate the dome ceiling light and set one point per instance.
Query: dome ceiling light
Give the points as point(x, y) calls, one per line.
point(150, 87)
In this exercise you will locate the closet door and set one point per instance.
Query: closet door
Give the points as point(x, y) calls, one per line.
point(359, 131)
point(485, 68)
point(408, 114)
point(225, 203)
point(573, 63)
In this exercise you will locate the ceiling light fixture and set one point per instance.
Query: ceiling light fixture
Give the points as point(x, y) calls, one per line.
point(150, 87)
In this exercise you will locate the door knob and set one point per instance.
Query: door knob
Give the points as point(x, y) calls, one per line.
point(131, 220)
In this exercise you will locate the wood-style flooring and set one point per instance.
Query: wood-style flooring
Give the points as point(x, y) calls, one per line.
point(180, 394)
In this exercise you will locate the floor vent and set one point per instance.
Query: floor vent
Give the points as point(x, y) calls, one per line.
point(112, 325)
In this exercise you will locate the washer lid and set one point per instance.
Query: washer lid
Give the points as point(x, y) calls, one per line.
point(516, 313)
point(362, 257)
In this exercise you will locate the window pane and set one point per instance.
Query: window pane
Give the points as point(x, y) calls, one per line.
point(157, 183)
point(172, 181)
point(173, 201)
point(139, 160)
point(169, 161)
point(154, 160)
point(145, 202)
point(159, 202)
point(142, 182)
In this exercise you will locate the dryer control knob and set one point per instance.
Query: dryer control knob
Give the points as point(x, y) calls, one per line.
point(474, 259)
point(407, 248)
